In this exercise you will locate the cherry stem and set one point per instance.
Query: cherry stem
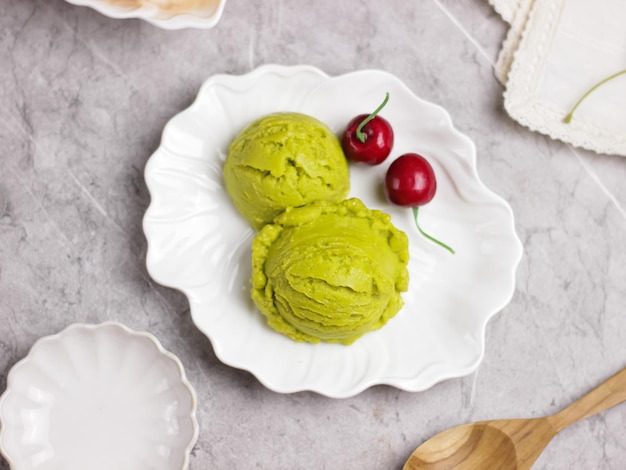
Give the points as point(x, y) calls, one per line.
point(428, 236)
point(568, 117)
point(359, 134)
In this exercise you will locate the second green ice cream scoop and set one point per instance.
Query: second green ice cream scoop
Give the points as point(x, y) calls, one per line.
point(329, 272)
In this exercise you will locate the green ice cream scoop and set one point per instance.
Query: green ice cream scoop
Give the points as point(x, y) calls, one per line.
point(329, 272)
point(284, 160)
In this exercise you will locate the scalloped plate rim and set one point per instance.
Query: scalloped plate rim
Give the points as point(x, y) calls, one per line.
point(412, 384)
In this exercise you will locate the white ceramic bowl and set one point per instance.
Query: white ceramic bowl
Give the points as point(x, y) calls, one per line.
point(202, 18)
point(199, 243)
point(98, 397)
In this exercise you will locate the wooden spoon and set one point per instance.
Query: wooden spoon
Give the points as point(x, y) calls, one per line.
point(510, 444)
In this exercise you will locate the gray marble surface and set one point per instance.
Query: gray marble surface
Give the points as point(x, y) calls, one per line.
point(83, 101)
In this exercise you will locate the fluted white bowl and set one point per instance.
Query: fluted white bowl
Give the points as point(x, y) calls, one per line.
point(198, 18)
point(98, 397)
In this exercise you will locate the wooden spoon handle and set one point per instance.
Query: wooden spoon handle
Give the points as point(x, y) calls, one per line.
point(606, 395)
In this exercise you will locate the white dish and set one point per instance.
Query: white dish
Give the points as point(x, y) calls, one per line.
point(199, 243)
point(98, 397)
point(202, 18)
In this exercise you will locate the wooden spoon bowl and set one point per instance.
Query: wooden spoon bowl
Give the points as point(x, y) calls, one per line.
point(510, 444)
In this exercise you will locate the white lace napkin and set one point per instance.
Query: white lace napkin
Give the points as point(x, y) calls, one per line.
point(554, 52)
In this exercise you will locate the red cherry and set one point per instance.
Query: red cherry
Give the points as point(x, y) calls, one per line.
point(410, 181)
point(378, 140)
point(368, 138)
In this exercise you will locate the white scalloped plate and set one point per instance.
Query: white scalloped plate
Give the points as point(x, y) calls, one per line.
point(199, 243)
point(204, 18)
point(98, 397)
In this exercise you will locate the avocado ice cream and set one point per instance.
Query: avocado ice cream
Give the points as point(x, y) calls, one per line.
point(329, 272)
point(284, 160)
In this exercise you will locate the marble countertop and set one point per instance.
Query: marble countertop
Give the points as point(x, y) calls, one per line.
point(84, 100)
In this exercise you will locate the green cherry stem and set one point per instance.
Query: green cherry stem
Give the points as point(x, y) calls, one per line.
point(569, 115)
point(359, 134)
point(432, 239)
